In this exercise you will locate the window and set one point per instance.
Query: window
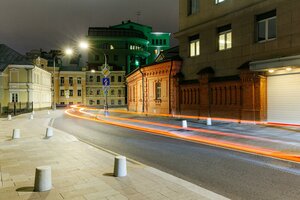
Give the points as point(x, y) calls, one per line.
point(112, 79)
point(98, 92)
point(62, 103)
point(79, 93)
point(225, 37)
point(70, 93)
point(119, 78)
point(194, 45)
point(116, 57)
point(91, 102)
point(62, 80)
point(112, 92)
point(152, 41)
point(119, 93)
point(62, 93)
point(165, 42)
point(112, 102)
point(91, 79)
point(98, 102)
point(219, 1)
point(70, 81)
point(158, 90)
point(79, 80)
point(266, 26)
point(119, 102)
point(193, 7)
point(70, 103)
point(98, 79)
point(14, 97)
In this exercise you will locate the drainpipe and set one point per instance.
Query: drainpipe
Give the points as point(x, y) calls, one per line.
point(170, 110)
point(143, 105)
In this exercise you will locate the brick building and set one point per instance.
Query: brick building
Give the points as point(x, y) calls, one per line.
point(240, 59)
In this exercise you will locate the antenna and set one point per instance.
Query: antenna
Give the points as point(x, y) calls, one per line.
point(138, 14)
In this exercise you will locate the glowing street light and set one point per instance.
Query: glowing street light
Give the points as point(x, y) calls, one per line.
point(83, 45)
point(69, 51)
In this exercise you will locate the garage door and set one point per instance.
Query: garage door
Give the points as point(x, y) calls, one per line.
point(284, 98)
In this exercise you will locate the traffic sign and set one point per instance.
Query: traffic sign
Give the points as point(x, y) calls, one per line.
point(105, 71)
point(105, 81)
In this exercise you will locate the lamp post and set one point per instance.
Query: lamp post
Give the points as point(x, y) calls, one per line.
point(106, 90)
point(54, 103)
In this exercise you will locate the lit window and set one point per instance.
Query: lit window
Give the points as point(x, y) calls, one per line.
point(194, 46)
point(79, 80)
point(219, 1)
point(193, 7)
point(225, 37)
point(266, 26)
point(158, 90)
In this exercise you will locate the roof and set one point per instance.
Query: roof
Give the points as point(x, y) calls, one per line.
point(130, 22)
point(8, 56)
point(168, 54)
point(70, 68)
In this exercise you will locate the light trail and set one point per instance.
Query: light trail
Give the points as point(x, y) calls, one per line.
point(200, 130)
point(200, 139)
point(274, 124)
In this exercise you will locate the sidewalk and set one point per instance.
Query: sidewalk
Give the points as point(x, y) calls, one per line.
point(79, 171)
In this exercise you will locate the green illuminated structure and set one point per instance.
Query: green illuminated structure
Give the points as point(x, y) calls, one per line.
point(127, 46)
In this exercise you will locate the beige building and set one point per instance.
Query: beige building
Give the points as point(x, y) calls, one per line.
point(95, 92)
point(23, 86)
point(243, 57)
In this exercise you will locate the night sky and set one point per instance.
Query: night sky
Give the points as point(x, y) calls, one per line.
point(55, 24)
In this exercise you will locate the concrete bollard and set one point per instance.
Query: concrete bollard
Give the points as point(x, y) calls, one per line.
point(16, 134)
point(120, 168)
point(9, 117)
point(184, 124)
point(208, 122)
point(49, 132)
point(43, 180)
point(31, 116)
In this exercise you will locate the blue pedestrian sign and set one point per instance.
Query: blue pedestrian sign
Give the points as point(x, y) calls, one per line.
point(105, 81)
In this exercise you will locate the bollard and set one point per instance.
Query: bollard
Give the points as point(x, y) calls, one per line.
point(16, 134)
point(48, 112)
point(49, 132)
point(8, 117)
point(120, 168)
point(184, 124)
point(208, 122)
point(31, 116)
point(42, 180)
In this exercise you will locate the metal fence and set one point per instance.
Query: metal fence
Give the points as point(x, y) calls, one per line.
point(16, 108)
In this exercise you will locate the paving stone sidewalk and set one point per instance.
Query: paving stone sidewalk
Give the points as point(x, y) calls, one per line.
point(79, 171)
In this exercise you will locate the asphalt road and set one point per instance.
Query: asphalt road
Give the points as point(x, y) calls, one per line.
point(232, 174)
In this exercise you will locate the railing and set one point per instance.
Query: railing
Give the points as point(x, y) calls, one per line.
point(17, 108)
